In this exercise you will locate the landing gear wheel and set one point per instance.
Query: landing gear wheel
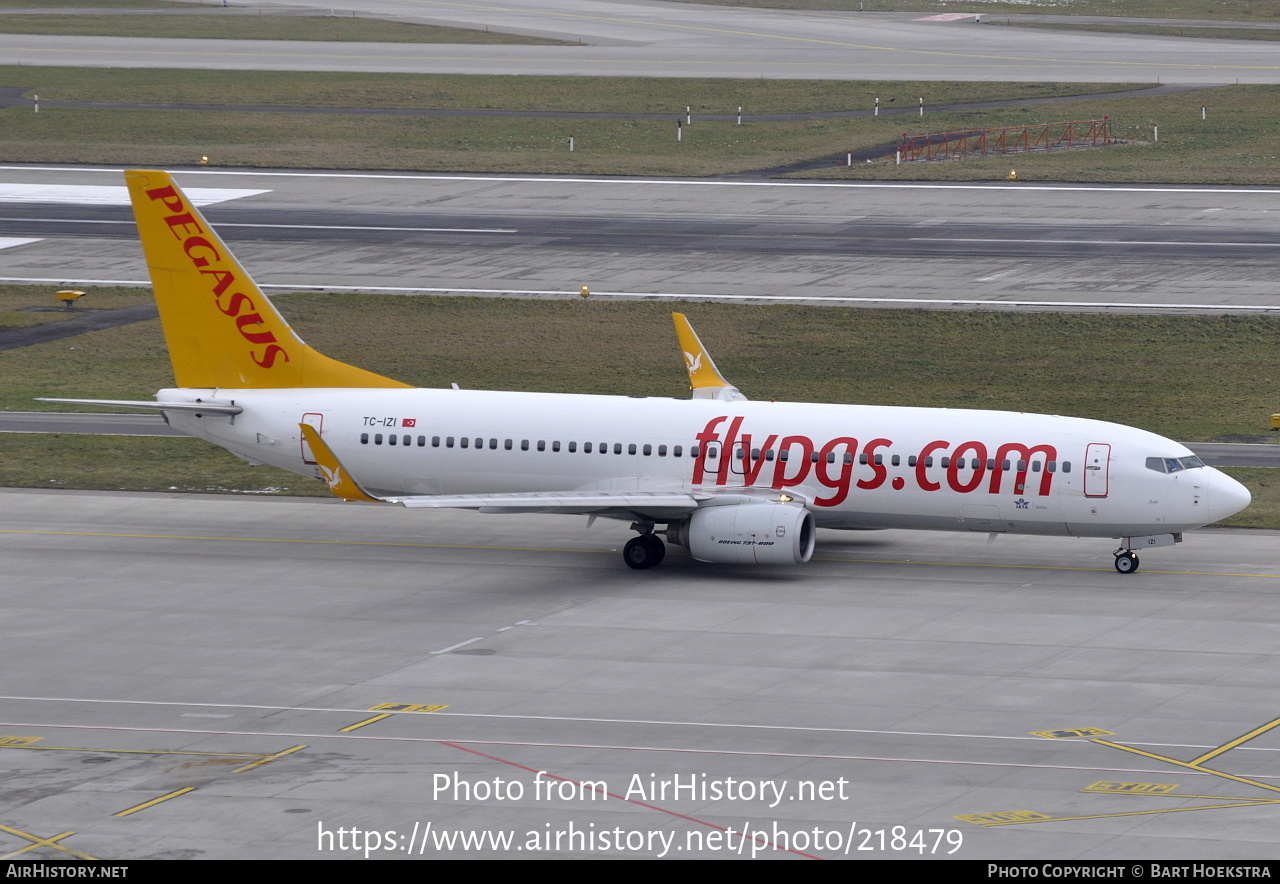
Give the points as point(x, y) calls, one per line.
point(644, 551)
point(1126, 562)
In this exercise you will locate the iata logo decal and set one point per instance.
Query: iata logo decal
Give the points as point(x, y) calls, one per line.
point(693, 363)
point(785, 461)
point(206, 258)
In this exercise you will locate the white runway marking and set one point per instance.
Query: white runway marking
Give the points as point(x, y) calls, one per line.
point(715, 299)
point(9, 242)
point(284, 226)
point(878, 185)
point(1098, 242)
point(107, 195)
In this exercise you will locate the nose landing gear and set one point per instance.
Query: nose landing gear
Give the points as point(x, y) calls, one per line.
point(1126, 561)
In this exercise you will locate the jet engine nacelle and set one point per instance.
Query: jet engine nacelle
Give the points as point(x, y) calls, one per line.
point(751, 533)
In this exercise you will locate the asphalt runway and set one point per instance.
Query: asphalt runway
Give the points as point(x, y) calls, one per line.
point(686, 40)
point(999, 246)
point(233, 661)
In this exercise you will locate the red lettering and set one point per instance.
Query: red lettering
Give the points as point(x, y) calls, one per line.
point(237, 301)
point(224, 277)
point(185, 221)
point(839, 484)
point(199, 242)
point(751, 465)
point(953, 477)
point(169, 196)
point(722, 476)
point(802, 463)
point(263, 337)
point(269, 356)
point(1023, 454)
point(707, 436)
point(922, 478)
point(879, 473)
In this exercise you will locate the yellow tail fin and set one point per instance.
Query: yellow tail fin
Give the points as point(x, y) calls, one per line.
point(221, 330)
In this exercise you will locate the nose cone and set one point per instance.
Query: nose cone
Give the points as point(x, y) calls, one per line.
point(1226, 496)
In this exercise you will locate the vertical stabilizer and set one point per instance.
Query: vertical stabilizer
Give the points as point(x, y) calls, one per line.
point(221, 330)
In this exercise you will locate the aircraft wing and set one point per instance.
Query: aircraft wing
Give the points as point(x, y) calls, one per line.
point(651, 504)
point(568, 502)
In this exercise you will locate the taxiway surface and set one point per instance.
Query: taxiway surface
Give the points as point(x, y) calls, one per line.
point(910, 244)
point(220, 668)
point(686, 40)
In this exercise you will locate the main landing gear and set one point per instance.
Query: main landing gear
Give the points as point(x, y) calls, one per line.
point(1126, 561)
point(645, 550)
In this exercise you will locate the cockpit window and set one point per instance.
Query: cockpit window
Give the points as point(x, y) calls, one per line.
point(1173, 464)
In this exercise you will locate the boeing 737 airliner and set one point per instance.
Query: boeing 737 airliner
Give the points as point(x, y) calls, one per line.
point(729, 479)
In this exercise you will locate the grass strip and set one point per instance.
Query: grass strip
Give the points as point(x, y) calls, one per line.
point(22, 306)
point(1238, 143)
point(258, 27)
point(516, 93)
point(1187, 377)
point(1264, 484)
point(1216, 10)
point(1155, 30)
point(87, 4)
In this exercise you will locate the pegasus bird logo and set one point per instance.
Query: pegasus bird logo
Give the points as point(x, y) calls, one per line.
point(693, 363)
point(332, 477)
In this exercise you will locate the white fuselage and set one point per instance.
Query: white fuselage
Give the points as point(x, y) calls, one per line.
point(853, 466)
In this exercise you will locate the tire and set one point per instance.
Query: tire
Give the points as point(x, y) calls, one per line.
point(1127, 563)
point(639, 554)
point(657, 547)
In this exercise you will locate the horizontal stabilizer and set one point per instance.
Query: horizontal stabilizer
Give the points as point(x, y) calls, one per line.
point(147, 405)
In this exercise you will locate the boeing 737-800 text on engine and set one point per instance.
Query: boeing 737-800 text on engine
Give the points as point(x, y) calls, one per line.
point(731, 480)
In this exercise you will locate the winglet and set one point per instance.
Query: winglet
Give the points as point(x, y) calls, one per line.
point(340, 482)
point(705, 380)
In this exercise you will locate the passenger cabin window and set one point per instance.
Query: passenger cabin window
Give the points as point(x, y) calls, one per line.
point(377, 438)
point(364, 438)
